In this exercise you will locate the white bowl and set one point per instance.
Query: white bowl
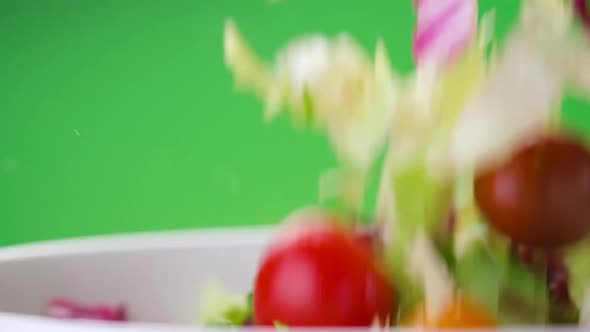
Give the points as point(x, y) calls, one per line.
point(159, 276)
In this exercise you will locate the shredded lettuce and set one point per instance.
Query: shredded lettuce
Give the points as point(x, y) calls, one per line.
point(250, 302)
point(476, 269)
point(221, 308)
point(250, 71)
point(461, 80)
point(420, 201)
point(280, 327)
point(416, 189)
point(577, 260)
point(474, 266)
point(524, 295)
point(429, 268)
point(516, 294)
point(585, 311)
point(539, 60)
point(327, 83)
point(344, 189)
point(330, 83)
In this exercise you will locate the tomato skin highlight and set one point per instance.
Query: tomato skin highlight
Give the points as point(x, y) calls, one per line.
point(541, 196)
point(321, 277)
point(460, 313)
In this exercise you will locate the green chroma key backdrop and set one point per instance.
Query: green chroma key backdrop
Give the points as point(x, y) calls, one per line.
point(119, 115)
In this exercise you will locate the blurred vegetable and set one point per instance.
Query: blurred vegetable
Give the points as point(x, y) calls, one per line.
point(457, 124)
point(540, 60)
point(321, 276)
point(460, 312)
point(577, 261)
point(221, 308)
point(63, 308)
point(416, 187)
point(444, 30)
point(540, 196)
point(485, 269)
point(331, 82)
point(524, 298)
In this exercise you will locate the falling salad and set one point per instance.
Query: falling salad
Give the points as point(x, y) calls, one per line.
point(482, 216)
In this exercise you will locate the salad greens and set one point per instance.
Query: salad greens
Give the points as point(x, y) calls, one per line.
point(331, 84)
point(219, 307)
point(578, 263)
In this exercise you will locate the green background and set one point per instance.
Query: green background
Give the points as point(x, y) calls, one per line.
point(119, 115)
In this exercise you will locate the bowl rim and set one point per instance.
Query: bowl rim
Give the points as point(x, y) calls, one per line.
point(194, 238)
point(19, 322)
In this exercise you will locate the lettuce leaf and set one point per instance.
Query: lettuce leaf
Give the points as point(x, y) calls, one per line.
point(250, 71)
point(529, 288)
point(330, 83)
point(420, 201)
point(505, 286)
point(280, 327)
point(221, 308)
point(460, 81)
point(539, 60)
point(416, 178)
point(577, 260)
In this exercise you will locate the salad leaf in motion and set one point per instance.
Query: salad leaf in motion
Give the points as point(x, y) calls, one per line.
point(416, 186)
point(538, 61)
point(328, 83)
point(577, 261)
point(221, 308)
point(280, 327)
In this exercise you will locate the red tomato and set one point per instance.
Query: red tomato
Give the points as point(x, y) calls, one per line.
point(460, 313)
point(321, 276)
point(541, 196)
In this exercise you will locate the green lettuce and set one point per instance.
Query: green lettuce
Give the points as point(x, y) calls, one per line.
point(577, 260)
point(221, 308)
point(515, 293)
point(486, 270)
point(420, 201)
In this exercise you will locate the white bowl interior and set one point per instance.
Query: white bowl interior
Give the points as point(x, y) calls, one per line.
point(158, 276)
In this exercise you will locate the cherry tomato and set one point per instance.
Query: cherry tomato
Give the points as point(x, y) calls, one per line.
point(541, 196)
point(321, 276)
point(460, 313)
